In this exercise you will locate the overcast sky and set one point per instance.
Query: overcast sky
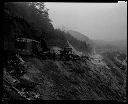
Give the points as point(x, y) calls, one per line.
point(104, 21)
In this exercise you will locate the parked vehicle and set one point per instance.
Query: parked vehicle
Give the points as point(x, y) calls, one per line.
point(26, 46)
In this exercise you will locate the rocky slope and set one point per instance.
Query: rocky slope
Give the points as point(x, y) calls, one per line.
point(76, 80)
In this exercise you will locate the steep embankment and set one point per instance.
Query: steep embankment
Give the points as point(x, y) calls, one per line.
point(76, 81)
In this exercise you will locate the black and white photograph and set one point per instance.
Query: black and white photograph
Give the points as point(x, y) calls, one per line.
point(65, 51)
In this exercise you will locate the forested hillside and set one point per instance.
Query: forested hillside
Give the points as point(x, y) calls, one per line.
point(25, 20)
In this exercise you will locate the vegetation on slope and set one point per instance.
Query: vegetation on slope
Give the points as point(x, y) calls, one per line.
point(35, 23)
point(26, 20)
point(68, 80)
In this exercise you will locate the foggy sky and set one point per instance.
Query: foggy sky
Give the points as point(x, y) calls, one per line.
point(104, 21)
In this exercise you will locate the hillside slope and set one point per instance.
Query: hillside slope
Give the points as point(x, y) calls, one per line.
point(76, 80)
point(80, 36)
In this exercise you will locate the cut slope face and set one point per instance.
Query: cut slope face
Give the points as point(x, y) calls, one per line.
point(74, 50)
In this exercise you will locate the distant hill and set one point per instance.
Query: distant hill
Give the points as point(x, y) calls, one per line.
point(119, 44)
point(80, 36)
point(100, 42)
